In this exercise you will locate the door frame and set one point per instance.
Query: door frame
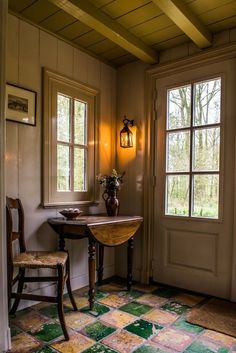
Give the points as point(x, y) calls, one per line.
point(207, 57)
point(4, 329)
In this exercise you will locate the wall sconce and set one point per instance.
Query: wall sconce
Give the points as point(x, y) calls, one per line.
point(126, 136)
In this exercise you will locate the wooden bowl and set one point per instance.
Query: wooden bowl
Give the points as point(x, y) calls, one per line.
point(71, 213)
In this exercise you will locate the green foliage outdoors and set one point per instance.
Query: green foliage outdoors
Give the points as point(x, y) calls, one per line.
point(205, 149)
point(71, 131)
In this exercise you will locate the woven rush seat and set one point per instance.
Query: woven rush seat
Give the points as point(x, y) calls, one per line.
point(26, 261)
point(40, 259)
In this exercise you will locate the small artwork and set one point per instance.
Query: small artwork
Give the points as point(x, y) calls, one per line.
point(20, 105)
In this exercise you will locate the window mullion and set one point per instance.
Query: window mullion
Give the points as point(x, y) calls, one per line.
point(191, 153)
point(72, 138)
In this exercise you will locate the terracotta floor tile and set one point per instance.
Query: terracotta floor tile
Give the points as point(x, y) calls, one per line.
point(81, 302)
point(151, 299)
point(76, 344)
point(31, 321)
point(173, 339)
point(118, 318)
point(147, 319)
point(77, 320)
point(114, 300)
point(160, 317)
point(220, 338)
point(188, 299)
point(123, 341)
point(24, 343)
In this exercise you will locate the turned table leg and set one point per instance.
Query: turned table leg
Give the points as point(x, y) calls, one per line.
point(91, 260)
point(130, 263)
point(61, 243)
point(100, 263)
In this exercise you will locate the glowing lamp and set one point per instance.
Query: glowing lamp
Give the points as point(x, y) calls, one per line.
point(126, 136)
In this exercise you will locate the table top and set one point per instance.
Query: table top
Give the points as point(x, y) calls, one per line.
point(109, 231)
point(93, 220)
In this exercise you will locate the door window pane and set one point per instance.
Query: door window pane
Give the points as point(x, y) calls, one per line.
point(205, 196)
point(79, 169)
point(177, 202)
point(179, 108)
point(63, 168)
point(193, 149)
point(80, 122)
point(207, 102)
point(63, 118)
point(206, 151)
point(178, 151)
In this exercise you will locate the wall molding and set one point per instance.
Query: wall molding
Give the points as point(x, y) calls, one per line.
point(4, 329)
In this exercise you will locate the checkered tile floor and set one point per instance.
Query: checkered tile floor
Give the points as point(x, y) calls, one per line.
point(146, 320)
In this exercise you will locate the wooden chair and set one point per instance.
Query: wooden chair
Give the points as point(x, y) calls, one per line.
point(57, 260)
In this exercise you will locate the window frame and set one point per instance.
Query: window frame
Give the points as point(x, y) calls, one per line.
point(55, 84)
point(191, 172)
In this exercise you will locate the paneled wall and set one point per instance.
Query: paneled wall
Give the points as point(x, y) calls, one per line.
point(131, 100)
point(30, 49)
point(130, 88)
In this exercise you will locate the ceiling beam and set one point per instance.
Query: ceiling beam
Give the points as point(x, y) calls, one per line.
point(89, 14)
point(187, 21)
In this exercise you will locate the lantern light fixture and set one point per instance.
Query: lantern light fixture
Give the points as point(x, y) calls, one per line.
point(126, 135)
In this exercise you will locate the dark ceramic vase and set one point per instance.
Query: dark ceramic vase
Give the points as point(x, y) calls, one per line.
point(111, 201)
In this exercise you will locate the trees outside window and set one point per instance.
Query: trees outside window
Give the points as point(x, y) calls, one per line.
point(193, 133)
point(70, 136)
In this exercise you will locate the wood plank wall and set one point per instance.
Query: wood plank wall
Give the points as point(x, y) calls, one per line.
point(29, 49)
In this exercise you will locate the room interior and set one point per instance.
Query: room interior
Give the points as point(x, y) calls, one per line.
point(129, 55)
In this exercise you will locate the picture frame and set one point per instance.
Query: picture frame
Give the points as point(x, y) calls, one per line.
point(20, 105)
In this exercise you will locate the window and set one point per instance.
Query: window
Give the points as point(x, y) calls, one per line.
point(69, 141)
point(193, 149)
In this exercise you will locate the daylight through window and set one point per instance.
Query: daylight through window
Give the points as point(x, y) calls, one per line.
point(69, 141)
point(193, 149)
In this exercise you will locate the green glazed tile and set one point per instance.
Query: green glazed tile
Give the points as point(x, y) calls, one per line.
point(143, 328)
point(99, 294)
point(15, 331)
point(132, 294)
point(184, 325)
point(166, 292)
point(150, 349)
point(51, 311)
point(199, 347)
point(99, 348)
point(46, 350)
point(136, 309)
point(175, 307)
point(98, 309)
point(98, 331)
point(49, 332)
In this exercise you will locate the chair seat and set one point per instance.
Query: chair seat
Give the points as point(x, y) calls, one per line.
point(36, 259)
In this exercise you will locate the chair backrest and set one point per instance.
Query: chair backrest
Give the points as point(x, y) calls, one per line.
point(15, 211)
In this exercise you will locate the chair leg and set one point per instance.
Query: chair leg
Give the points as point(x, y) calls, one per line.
point(9, 285)
point(19, 290)
point(68, 285)
point(60, 288)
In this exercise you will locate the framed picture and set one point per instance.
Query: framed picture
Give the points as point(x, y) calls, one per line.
point(20, 105)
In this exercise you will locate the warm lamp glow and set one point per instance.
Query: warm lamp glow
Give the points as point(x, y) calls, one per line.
point(126, 135)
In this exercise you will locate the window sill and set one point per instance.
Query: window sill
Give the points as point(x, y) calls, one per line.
point(73, 203)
